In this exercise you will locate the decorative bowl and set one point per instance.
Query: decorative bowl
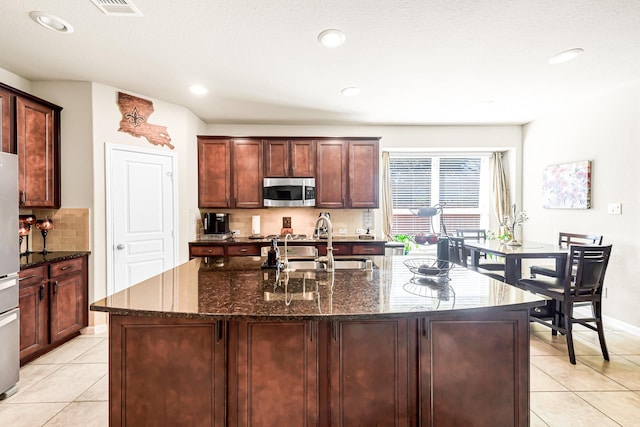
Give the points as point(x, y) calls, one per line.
point(429, 267)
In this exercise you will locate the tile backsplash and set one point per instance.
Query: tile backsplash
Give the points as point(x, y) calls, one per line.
point(70, 230)
point(302, 220)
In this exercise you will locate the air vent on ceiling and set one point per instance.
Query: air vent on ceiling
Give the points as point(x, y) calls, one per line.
point(117, 7)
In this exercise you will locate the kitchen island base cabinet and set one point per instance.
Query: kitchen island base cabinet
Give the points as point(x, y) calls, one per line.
point(446, 369)
point(475, 371)
point(166, 372)
point(273, 374)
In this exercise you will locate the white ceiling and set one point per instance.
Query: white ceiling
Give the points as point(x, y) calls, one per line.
point(416, 61)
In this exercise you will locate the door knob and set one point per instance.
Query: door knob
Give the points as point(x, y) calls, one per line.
point(120, 247)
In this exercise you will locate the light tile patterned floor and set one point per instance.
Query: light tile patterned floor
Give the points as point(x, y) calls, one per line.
point(68, 387)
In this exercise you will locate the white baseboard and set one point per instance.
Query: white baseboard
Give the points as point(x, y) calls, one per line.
point(95, 329)
point(612, 323)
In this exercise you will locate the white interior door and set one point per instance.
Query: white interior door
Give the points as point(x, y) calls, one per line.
point(140, 192)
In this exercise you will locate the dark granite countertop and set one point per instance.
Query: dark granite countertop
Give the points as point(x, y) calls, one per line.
point(35, 258)
point(265, 241)
point(237, 288)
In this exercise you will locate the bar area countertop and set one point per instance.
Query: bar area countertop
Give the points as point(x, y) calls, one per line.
point(34, 259)
point(238, 288)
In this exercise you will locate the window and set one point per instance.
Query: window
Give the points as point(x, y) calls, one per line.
point(460, 183)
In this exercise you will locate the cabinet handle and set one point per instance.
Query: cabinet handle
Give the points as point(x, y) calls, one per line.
point(66, 268)
point(42, 292)
point(311, 330)
point(425, 330)
point(334, 326)
point(23, 197)
point(27, 278)
point(55, 288)
point(243, 250)
point(219, 330)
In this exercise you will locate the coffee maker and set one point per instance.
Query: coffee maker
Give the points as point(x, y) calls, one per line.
point(216, 224)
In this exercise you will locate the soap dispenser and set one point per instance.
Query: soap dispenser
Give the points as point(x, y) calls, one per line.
point(274, 254)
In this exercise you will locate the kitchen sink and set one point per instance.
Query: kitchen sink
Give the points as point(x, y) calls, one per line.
point(338, 264)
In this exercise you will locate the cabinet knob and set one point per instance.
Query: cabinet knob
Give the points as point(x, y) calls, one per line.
point(120, 247)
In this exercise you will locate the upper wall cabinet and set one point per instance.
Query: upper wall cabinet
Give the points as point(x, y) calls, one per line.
point(229, 172)
point(7, 130)
point(289, 158)
point(363, 174)
point(214, 173)
point(347, 173)
point(38, 142)
point(247, 173)
point(31, 129)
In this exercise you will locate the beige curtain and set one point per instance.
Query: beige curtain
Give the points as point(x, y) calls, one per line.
point(387, 201)
point(500, 189)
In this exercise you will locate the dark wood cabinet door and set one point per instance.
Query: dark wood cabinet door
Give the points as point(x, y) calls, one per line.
point(214, 173)
point(34, 312)
point(303, 158)
point(67, 305)
point(475, 371)
point(331, 174)
point(363, 174)
point(273, 374)
point(247, 173)
point(6, 121)
point(370, 365)
point(276, 158)
point(171, 372)
point(38, 154)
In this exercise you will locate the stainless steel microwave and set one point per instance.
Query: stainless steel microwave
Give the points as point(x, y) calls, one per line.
point(289, 192)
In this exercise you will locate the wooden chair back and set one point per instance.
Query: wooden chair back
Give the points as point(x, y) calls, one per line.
point(474, 234)
point(457, 251)
point(567, 239)
point(589, 264)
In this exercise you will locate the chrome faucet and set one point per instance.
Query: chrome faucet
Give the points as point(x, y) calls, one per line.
point(286, 251)
point(329, 257)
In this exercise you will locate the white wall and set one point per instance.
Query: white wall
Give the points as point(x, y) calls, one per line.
point(182, 125)
point(605, 130)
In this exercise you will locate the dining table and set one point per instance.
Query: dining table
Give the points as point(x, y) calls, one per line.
point(514, 255)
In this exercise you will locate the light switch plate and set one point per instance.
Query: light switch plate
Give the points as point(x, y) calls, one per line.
point(614, 208)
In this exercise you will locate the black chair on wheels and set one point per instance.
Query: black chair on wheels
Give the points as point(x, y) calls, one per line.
point(583, 285)
point(565, 240)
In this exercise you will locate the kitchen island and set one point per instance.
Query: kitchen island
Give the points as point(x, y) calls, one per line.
point(230, 343)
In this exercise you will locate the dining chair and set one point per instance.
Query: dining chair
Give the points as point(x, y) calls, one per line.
point(564, 241)
point(459, 254)
point(584, 285)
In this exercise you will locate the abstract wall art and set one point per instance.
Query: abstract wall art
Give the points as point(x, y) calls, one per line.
point(567, 186)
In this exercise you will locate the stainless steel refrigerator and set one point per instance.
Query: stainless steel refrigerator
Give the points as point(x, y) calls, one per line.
point(9, 267)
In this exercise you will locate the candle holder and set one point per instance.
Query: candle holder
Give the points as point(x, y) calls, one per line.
point(44, 225)
point(22, 232)
point(26, 220)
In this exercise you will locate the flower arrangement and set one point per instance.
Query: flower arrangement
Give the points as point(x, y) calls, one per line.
point(511, 221)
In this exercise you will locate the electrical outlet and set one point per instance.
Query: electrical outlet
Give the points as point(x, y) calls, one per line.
point(342, 231)
point(360, 231)
point(614, 208)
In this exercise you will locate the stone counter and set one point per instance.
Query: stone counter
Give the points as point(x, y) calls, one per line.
point(238, 288)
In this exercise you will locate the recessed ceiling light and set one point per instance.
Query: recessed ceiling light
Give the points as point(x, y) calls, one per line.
point(332, 38)
point(565, 56)
point(198, 90)
point(51, 22)
point(350, 91)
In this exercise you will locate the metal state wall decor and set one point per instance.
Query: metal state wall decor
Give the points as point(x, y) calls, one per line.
point(135, 112)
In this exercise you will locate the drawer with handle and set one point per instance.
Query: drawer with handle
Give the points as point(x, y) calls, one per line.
point(65, 267)
point(31, 276)
point(205, 251)
point(243, 250)
point(368, 249)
